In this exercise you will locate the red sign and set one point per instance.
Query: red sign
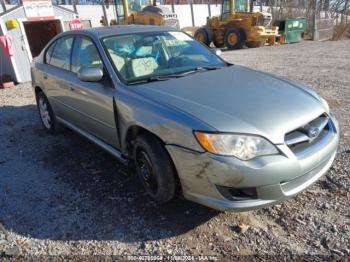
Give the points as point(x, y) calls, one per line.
point(76, 24)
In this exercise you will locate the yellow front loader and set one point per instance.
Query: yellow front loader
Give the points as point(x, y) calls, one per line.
point(235, 29)
point(144, 12)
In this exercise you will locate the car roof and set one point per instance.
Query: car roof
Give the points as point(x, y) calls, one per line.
point(100, 32)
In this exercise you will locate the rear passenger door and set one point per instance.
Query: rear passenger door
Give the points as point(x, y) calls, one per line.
point(56, 73)
point(92, 102)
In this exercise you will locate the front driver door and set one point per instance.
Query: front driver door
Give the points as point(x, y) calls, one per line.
point(92, 102)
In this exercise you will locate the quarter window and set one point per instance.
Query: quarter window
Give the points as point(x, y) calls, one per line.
point(85, 54)
point(60, 57)
point(49, 53)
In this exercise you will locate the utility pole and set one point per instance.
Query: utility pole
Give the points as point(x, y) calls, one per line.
point(75, 6)
point(104, 12)
point(192, 13)
point(315, 34)
point(251, 6)
point(3, 5)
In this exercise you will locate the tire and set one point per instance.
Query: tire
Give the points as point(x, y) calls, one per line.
point(47, 115)
point(154, 168)
point(234, 38)
point(204, 35)
point(255, 44)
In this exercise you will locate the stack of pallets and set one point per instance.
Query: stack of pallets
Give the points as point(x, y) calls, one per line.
point(6, 81)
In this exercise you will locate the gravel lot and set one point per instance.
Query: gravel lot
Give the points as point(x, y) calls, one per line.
point(61, 195)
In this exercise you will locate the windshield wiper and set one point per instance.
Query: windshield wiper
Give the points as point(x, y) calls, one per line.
point(206, 68)
point(201, 69)
point(155, 79)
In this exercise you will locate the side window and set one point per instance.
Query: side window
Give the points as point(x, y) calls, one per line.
point(49, 53)
point(85, 54)
point(60, 56)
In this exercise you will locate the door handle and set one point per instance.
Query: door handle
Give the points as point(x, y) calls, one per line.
point(45, 76)
point(71, 88)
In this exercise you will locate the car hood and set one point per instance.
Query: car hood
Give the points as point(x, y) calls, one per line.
point(240, 100)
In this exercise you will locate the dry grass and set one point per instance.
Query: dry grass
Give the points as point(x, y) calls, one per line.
point(341, 32)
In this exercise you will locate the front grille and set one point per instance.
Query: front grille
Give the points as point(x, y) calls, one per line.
point(267, 21)
point(305, 136)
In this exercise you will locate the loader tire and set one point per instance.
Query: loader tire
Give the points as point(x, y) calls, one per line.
point(204, 35)
point(234, 38)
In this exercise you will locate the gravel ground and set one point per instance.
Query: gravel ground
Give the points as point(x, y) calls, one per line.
point(61, 195)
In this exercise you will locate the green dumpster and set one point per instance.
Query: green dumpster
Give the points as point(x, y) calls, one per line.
point(291, 29)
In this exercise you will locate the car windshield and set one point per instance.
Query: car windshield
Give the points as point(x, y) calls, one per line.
point(158, 56)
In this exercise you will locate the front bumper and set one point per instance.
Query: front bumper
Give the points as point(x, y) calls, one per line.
point(205, 176)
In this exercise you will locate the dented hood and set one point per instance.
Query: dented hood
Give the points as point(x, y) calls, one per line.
point(240, 100)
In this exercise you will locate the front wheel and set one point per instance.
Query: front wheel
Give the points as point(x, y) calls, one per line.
point(154, 168)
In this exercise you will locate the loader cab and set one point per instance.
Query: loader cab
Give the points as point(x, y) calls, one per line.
point(231, 6)
point(125, 8)
point(119, 7)
point(138, 5)
point(226, 9)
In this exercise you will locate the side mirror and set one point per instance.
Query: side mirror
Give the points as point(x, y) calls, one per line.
point(217, 51)
point(90, 74)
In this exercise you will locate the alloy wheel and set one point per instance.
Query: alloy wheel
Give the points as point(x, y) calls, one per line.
point(44, 113)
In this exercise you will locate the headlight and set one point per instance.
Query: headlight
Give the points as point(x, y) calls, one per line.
point(325, 104)
point(244, 147)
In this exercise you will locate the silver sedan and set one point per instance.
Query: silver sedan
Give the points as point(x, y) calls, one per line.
point(223, 135)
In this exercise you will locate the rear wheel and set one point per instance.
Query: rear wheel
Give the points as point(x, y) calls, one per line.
point(203, 35)
point(234, 38)
point(47, 116)
point(154, 168)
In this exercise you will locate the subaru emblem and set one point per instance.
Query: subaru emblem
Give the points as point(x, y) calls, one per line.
point(313, 132)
